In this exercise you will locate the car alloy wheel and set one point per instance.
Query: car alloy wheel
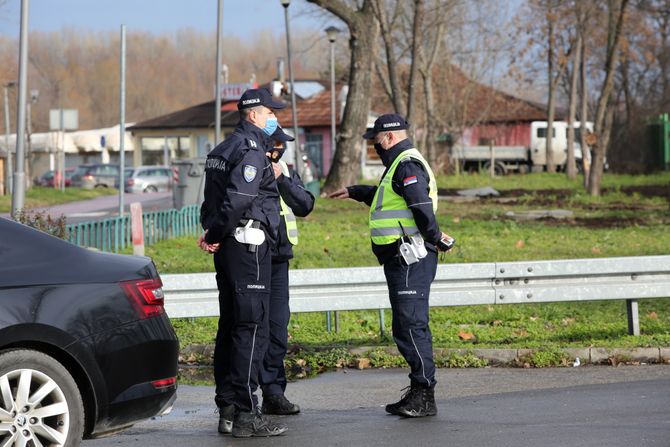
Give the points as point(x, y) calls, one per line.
point(39, 401)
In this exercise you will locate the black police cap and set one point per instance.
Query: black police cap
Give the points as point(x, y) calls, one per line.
point(255, 97)
point(387, 123)
point(280, 135)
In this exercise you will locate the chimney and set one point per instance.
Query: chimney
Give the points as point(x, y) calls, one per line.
point(280, 70)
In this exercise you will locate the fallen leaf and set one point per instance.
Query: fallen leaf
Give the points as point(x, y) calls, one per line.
point(466, 335)
point(595, 250)
point(533, 318)
point(567, 321)
point(456, 220)
point(519, 244)
point(362, 363)
point(652, 316)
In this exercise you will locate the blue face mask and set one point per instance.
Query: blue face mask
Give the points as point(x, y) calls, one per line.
point(270, 126)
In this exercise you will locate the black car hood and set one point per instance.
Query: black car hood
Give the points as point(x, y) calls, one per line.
point(32, 257)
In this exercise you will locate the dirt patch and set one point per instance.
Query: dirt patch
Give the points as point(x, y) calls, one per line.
point(595, 222)
point(643, 190)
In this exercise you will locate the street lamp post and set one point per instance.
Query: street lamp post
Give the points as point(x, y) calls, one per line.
point(332, 33)
point(298, 161)
point(19, 179)
point(8, 168)
point(217, 100)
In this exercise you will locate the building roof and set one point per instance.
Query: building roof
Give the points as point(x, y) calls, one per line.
point(314, 111)
point(479, 103)
point(198, 116)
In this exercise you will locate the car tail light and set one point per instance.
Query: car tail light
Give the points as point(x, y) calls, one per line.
point(164, 383)
point(146, 296)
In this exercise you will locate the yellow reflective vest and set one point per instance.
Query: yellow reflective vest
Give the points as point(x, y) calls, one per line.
point(287, 213)
point(389, 210)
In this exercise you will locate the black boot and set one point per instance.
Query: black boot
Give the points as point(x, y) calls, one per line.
point(417, 402)
point(226, 416)
point(279, 404)
point(248, 424)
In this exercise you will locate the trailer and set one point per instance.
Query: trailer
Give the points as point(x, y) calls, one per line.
point(521, 159)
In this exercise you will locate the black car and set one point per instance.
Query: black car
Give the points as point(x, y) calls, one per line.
point(85, 345)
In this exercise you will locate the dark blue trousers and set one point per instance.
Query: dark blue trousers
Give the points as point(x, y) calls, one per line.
point(409, 291)
point(273, 375)
point(243, 279)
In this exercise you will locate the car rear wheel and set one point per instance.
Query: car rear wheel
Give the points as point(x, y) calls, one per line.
point(40, 403)
point(150, 188)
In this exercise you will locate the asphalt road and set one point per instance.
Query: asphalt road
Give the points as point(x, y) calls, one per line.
point(502, 407)
point(106, 206)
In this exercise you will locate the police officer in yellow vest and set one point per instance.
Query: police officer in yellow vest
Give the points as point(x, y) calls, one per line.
point(405, 238)
point(294, 200)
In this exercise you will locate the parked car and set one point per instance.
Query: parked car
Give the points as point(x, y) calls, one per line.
point(49, 178)
point(147, 179)
point(95, 176)
point(86, 347)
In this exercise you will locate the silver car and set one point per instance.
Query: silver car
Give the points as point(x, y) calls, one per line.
point(147, 179)
point(96, 176)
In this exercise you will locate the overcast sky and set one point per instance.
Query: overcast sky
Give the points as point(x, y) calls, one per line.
point(240, 17)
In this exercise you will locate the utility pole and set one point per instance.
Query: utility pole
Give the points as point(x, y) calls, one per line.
point(122, 119)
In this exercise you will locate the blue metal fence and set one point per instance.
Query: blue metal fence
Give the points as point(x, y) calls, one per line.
point(114, 234)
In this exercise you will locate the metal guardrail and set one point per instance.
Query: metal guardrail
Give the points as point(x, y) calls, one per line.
point(113, 234)
point(319, 290)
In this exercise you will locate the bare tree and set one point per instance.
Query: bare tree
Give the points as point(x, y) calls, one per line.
point(388, 16)
point(603, 118)
point(363, 32)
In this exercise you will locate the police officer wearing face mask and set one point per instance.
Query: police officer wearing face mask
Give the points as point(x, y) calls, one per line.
point(240, 216)
point(405, 238)
point(295, 200)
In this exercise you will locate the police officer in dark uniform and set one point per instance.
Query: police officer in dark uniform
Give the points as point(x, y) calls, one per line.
point(295, 200)
point(240, 216)
point(405, 238)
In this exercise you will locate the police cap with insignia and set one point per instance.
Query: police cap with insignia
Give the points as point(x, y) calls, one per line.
point(255, 97)
point(387, 123)
point(280, 135)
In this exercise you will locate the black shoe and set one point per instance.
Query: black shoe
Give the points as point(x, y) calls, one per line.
point(416, 402)
point(279, 404)
point(226, 416)
point(251, 424)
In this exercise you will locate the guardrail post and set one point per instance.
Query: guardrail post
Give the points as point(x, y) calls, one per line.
point(328, 328)
point(382, 323)
point(633, 319)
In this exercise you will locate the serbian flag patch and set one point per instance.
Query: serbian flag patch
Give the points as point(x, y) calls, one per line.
point(409, 181)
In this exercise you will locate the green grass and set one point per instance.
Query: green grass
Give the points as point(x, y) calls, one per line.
point(546, 181)
point(336, 235)
point(39, 197)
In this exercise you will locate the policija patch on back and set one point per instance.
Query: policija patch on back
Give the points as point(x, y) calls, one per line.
point(249, 173)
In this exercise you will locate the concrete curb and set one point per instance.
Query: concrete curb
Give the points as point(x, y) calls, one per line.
point(203, 353)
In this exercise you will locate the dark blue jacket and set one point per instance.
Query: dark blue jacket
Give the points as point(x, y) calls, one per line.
point(240, 184)
point(415, 195)
point(301, 203)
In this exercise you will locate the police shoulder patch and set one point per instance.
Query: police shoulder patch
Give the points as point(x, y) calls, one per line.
point(249, 173)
